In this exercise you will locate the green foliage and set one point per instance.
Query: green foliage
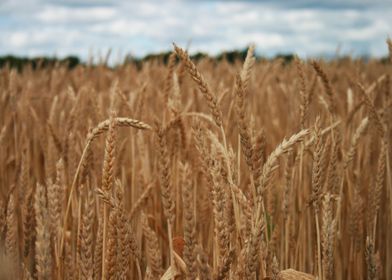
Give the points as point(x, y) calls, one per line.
point(71, 62)
point(37, 62)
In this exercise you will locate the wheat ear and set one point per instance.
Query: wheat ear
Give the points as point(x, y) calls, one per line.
point(201, 82)
point(102, 127)
point(42, 243)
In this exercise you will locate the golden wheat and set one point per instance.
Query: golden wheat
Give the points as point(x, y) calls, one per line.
point(235, 171)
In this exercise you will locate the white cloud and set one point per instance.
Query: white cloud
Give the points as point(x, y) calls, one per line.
point(307, 28)
point(54, 14)
point(18, 39)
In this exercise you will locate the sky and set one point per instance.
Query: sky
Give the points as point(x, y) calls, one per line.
point(92, 27)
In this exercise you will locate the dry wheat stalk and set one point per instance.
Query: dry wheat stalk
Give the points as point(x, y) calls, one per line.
point(42, 244)
point(107, 172)
point(317, 166)
point(203, 87)
point(111, 257)
point(305, 100)
point(253, 249)
point(389, 43)
point(204, 268)
point(271, 162)
point(327, 86)
point(316, 186)
point(333, 180)
point(126, 239)
point(246, 140)
point(375, 194)
point(98, 250)
point(164, 171)
point(102, 127)
point(55, 199)
point(3, 220)
point(153, 253)
point(86, 249)
point(224, 268)
point(373, 114)
point(291, 274)
point(355, 140)
point(370, 260)
point(109, 220)
point(247, 67)
point(140, 201)
point(169, 76)
point(11, 238)
point(328, 237)
point(189, 223)
point(28, 223)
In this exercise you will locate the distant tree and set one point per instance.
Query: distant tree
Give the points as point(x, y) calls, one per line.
point(38, 62)
point(232, 56)
point(287, 58)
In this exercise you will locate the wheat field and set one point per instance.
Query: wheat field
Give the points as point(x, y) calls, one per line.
point(209, 170)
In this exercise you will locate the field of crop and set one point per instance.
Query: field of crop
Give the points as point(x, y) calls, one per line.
point(252, 170)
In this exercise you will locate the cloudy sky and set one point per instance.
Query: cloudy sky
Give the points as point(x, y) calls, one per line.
point(308, 28)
